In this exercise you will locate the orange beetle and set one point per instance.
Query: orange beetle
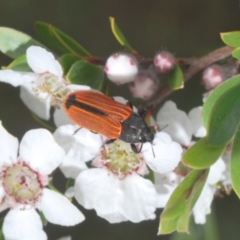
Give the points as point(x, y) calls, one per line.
point(101, 114)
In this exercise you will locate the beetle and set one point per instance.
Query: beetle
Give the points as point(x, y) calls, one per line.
point(102, 114)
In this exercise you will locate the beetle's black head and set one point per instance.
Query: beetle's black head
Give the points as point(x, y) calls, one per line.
point(146, 135)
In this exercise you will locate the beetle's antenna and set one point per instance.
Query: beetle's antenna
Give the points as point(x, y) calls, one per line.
point(140, 148)
point(152, 149)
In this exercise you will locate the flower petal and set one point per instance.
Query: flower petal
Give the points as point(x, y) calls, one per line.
point(23, 224)
point(60, 117)
point(132, 198)
point(80, 147)
point(175, 122)
point(195, 120)
point(39, 149)
point(137, 200)
point(114, 217)
point(167, 153)
point(59, 210)
point(2, 193)
point(216, 172)
point(76, 87)
point(16, 78)
point(164, 192)
point(203, 204)
point(97, 189)
point(65, 238)
point(41, 61)
point(40, 106)
point(8, 147)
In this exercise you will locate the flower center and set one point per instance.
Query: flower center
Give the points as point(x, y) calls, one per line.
point(120, 158)
point(21, 183)
point(50, 84)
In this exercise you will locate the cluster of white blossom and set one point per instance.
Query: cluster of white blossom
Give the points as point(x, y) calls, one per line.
point(114, 185)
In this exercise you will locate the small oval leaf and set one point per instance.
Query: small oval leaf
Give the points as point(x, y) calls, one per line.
point(224, 117)
point(231, 39)
point(84, 73)
point(236, 53)
point(14, 43)
point(235, 163)
point(176, 79)
point(67, 60)
point(19, 64)
point(183, 220)
point(201, 155)
point(58, 40)
point(213, 97)
point(176, 213)
point(119, 36)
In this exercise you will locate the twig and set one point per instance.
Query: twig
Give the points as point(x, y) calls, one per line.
point(195, 66)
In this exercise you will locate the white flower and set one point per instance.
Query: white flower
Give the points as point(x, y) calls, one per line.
point(80, 145)
point(180, 126)
point(43, 87)
point(121, 68)
point(115, 189)
point(23, 181)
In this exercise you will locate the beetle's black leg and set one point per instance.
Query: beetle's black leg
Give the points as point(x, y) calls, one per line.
point(134, 148)
point(110, 141)
point(130, 104)
point(76, 131)
point(143, 113)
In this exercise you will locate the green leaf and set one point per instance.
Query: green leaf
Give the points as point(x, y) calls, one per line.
point(67, 60)
point(224, 117)
point(176, 79)
point(201, 155)
point(19, 64)
point(58, 40)
point(14, 43)
point(199, 232)
point(84, 73)
point(214, 96)
point(231, 38)
point(236, 53)
point(235, 163)
point(70, 183)
point(150, 176)
point(119, 36)
point(1, 235)
point(175, 215)
point(43, 219)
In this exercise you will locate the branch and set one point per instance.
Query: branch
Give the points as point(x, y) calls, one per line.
point(195, 66)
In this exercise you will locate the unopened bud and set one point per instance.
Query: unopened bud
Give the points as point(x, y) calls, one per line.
point(213, 76)
point(164, 61)
point(121, 68)
point(144, 85)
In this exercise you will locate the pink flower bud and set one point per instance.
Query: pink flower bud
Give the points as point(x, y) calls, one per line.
point(164, 61)
point(144, 85)
point(121, 68)
point(213, 76)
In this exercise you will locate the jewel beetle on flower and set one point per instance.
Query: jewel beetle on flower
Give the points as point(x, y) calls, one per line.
point(101, 114)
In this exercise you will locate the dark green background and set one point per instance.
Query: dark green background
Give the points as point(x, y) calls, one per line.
point(187, 28)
